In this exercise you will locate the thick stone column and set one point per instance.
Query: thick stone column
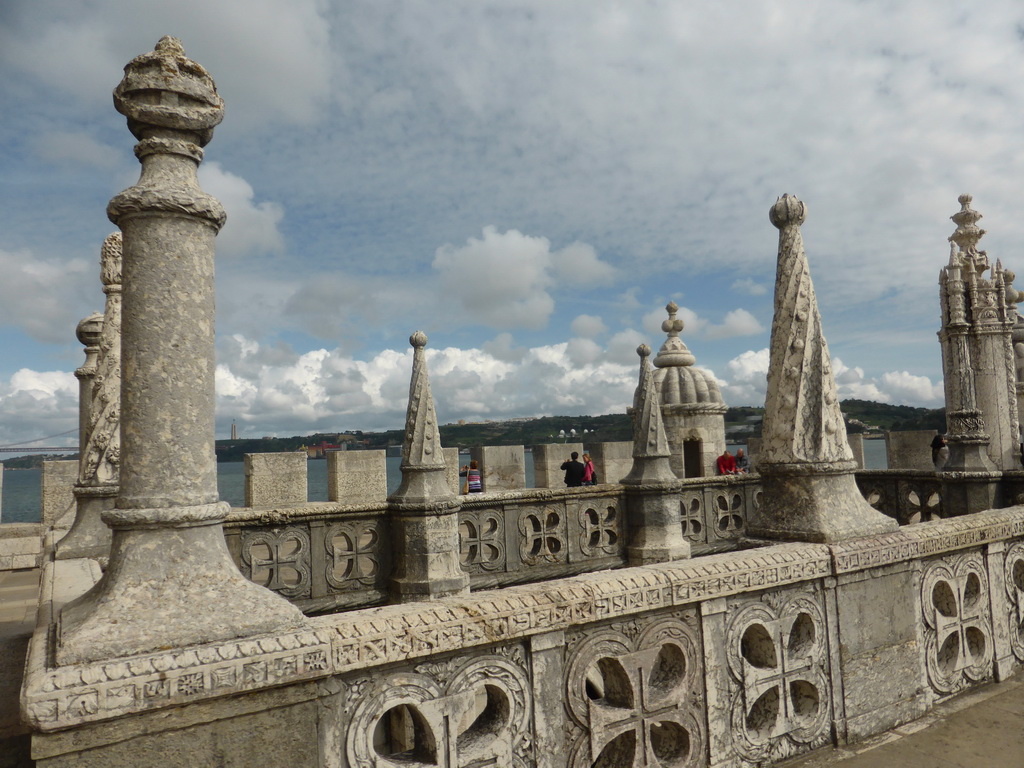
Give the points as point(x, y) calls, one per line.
point(100, 455)
point(424, 511)
point(170, 581)
point(652, 499)
point(806, 465)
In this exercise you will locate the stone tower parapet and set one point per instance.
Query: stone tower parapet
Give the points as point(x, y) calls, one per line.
point(691, 404)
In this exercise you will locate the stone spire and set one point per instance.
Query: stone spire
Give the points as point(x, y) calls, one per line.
point(168, 549)
point(423, 509)
point(100, 462)
point(651, 486)
point(806, 463)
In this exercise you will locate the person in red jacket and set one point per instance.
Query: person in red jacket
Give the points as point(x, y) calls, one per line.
point(726, 464)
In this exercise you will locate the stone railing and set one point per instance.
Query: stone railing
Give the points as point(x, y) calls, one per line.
point(908, 496)
point(738, 658)
point(330, 556)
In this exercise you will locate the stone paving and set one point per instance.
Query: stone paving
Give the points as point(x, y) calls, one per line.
point(19, 594)
point(982, 729)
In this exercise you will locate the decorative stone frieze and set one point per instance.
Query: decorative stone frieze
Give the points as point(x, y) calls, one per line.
point(1013, 582)
point(805, 461)
point(170, 582)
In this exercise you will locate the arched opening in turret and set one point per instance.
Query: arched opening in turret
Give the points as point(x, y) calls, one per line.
point(693, 451)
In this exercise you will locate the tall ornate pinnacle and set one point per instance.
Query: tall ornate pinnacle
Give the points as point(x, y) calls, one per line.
point(100, 464)
point(803, 421)
point(652, 506)
point(167, 500)
point(806, 463)
point(644, 352)
point(673, 351)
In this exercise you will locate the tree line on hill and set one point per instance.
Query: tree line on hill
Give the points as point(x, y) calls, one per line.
point(861, 416)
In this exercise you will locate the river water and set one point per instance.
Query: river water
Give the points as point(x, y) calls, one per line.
point(21, 486)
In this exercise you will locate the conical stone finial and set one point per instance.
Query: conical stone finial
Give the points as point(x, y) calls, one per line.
point(805, 462)
point(421, 448)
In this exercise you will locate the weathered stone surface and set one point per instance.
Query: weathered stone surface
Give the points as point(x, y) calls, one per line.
point(424, 511)
point(451, 469)
point(21, 545)
point(275, 479)
point(57, 493)
point(502, 467)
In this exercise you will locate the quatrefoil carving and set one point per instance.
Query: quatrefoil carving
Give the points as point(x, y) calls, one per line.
point(777, 657)
point(412, 720)
point(958, 634)
point(637, 700)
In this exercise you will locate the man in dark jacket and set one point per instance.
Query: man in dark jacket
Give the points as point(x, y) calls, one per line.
point(573, 471)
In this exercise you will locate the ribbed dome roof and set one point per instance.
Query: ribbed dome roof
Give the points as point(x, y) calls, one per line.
point(677, 380)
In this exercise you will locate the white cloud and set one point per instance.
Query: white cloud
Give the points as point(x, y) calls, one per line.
point(588, 326)
point(738, 322)
point(747, 382)
point(66, 147)
point(749, 286)
point(504, 279)
point(904, 387)
point(252, 228)
point(47, 297)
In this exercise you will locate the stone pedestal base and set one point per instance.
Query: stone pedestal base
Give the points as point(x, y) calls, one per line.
point(427, 554)
point(964, 493)
point(89, 535)
point(805, 503)
point(168, 587)
point(656, 534)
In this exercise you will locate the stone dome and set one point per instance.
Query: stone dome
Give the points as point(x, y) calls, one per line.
point(677, 380)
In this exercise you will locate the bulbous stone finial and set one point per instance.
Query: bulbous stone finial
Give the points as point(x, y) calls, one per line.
point(643, 351)
point(967, 233)
point(673, 325)
point(788, 210)
point(418, 339)
point(673, 352)
point(90, 329)
point(164, 89)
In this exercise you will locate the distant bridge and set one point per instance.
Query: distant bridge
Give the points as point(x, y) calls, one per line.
point(49, 449)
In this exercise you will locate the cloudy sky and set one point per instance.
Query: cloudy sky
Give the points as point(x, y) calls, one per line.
point(527, 182)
